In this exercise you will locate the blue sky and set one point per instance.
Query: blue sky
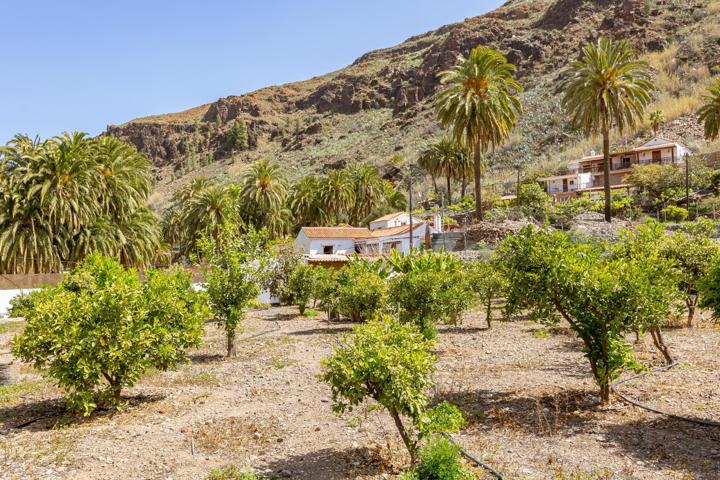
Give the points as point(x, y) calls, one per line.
point(80, 65)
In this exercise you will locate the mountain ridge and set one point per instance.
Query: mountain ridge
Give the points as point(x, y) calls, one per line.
point(381, 103)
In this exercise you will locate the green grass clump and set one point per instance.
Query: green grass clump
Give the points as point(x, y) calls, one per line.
point(10, 393)
point(231, 473)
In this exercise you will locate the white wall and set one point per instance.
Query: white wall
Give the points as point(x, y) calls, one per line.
point(402, 219)
point(340, 245)
point(7, 295)
point(667, 155)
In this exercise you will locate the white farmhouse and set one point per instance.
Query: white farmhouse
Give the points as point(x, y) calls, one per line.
point(336, 244)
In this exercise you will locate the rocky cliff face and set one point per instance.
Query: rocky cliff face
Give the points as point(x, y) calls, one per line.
point(382, 102)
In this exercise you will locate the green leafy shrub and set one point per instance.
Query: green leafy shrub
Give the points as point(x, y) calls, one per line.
point(672, 213)
point(431, 288)
point(234, 265)
point(327, 291)
point(533, 200)
point(301, 285)
point(285, 259)
point(439, 460)
point(231, 473)
point(487, 282)
point(102, 328)
point(362, 291)
point(694, 253)
point(387, 361)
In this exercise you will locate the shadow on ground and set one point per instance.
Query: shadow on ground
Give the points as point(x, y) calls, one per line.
point(45, 414)
point(542, 415)
point(330, 464)
point(670, 444)
point(324, 330)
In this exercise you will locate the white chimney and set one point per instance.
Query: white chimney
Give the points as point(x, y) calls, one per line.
point(437, 223)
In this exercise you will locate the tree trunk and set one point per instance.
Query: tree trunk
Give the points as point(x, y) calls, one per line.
point(488, 314)
point(231, 348)
point(463, 184)
point(605, 394)
point(606, 174)
point(691, 301)
point(659, 342)
point(435, 187)
point(301, 307)
point(409, 443)
point(477, 157)
point(449, 188)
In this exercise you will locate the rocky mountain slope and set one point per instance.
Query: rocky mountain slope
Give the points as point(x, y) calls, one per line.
point(381, 104)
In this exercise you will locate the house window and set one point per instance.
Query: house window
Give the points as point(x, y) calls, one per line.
point(327, 249)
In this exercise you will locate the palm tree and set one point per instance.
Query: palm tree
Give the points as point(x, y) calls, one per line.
point(656, 121)
point(337, 191)
point(124, 176)
point(709, 114)
point(609, 88)
point(368, 186)
point(207, 211)
point(263, 192)
point(479, 105)
point(305, 202)
point(430, 162)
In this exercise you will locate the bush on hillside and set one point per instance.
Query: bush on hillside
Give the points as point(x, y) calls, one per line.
point(102, 328)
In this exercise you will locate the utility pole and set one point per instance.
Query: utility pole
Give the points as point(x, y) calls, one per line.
point(410, 206)
point(687, 183)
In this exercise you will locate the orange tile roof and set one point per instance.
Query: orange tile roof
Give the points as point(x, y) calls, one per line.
point(387, 232)
point(389, 216)
point(336, 232)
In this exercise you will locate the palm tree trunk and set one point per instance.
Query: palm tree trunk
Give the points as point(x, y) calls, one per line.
point(606, 173)
point(463, 184)
point(435, 187)
point(449, 188)
point(478, 172)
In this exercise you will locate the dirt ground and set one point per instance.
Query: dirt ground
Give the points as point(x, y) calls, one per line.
point(526, 392)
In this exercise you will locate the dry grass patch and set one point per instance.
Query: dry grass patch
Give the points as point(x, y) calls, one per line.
point(16, 391)
point(236, 434)
point(13, 326)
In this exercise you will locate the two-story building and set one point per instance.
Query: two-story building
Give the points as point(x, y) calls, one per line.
point(587, 174)
point(336, 244)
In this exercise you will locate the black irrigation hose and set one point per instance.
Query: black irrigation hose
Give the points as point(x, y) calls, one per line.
point(697, 421)
point(473, 458)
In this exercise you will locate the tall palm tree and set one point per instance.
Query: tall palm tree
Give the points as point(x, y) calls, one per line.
point(479, 105)
point(338, 193)
point(609, 88)
point(656, 121)
point(709, 114)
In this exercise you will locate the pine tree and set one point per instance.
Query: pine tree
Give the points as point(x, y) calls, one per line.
point(238, 135)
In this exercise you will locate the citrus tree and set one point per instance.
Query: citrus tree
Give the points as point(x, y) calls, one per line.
point(391, 363)
point(430, 288)
point(234, 266)
point(102, 328)
point(694, 253)
point(301, 285)
point(552, 276)
point(487, 282)
point(362, 291)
